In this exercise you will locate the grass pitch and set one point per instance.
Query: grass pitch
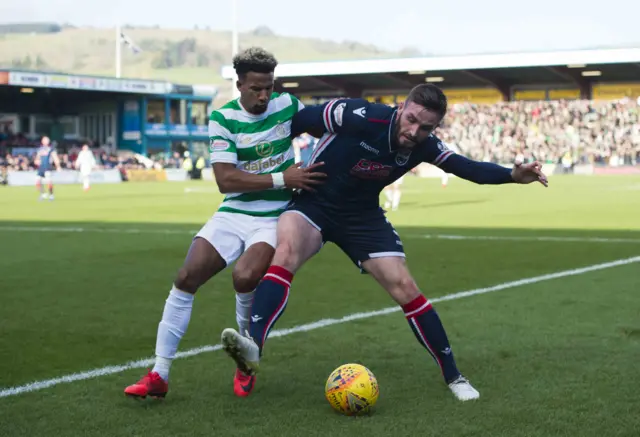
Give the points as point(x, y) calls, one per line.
point(84, 279)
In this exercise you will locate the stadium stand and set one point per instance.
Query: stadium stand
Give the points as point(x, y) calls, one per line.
point(566, 108)
point(578, 131)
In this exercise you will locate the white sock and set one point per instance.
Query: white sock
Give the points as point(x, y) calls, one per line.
point(243, 310)
point(396, 199)
point(445, 179)
point(174, 323)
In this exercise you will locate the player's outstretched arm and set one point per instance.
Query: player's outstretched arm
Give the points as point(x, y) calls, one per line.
point(489, 173)
point(232, 180)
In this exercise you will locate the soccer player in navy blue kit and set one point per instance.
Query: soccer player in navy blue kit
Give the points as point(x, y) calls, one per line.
point(46, 158)
point(366, 147)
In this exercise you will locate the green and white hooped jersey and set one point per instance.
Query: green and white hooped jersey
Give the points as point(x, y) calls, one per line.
point(258, 144)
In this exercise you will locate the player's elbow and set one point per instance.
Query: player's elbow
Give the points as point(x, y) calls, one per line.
point(228, 182)
point(225, 178)
point(224, 186)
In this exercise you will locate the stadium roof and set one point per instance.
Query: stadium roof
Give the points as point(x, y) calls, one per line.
point(502, 71)
point(38, 79)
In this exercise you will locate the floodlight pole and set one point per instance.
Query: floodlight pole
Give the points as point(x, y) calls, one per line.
point(118, 51)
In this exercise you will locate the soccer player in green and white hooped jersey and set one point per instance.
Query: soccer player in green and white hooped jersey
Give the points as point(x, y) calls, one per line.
point(258, 144)
point(253, 163)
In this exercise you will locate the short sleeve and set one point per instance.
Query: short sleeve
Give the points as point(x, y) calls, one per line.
point(221, 146)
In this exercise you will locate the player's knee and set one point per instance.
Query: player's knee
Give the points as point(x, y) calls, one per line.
point(246, 280)
point(405, 290)
point(187, 280)
point(286, 256)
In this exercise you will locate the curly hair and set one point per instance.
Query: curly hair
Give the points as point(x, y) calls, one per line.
point(254, 59)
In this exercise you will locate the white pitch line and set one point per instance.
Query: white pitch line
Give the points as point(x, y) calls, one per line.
point(78, 230)
point(144, 363)
point(66, 229)
point(530, 238)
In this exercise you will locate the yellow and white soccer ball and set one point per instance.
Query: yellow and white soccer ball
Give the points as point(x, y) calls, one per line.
point(352, 389)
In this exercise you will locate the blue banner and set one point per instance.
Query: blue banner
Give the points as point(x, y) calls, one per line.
point(180, 130)
point(200, 130)
point(131, 124)
point(156, 129)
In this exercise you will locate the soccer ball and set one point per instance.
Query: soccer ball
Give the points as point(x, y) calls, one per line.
point(352, 389)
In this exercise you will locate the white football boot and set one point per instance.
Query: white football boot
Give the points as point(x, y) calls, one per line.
point(463, 390)
point(242, 349)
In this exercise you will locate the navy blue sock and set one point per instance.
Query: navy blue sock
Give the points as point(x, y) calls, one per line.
point(269, 301)
point(428, 329)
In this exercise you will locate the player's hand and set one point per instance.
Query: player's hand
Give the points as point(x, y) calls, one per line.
point(527, 173)
point(303, 178)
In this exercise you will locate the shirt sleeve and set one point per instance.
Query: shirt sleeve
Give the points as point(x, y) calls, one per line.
point(221, 146)
point(335, 116)
point(437, 151)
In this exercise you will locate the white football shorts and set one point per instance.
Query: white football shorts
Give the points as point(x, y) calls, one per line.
point(232, 233)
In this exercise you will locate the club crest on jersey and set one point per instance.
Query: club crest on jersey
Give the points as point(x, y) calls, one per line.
point(282, 130)
point(243, 139)
point(402, 157)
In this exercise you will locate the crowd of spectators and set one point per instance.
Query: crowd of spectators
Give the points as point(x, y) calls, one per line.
point(580, 132)
point(586, 132)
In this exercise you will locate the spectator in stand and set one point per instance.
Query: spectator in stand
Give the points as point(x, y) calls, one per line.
point(590, 132)
point(576, 131)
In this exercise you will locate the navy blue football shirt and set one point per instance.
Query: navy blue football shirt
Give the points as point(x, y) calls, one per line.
point(358, 148)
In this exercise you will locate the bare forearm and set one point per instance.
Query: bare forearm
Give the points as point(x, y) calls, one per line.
point(238, 181)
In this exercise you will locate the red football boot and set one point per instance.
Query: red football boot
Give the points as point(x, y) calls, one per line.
point(151, 384)
point(243, 384)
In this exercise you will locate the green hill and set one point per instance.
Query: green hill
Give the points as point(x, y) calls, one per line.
point(177, 55)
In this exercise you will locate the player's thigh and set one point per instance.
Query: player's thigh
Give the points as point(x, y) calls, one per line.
point(367, 234)
point(369, 240)
point(393, 275)
point(259, 249)
point(299, 238)
point(44, 177)
point(201, 263)
point(218, 244)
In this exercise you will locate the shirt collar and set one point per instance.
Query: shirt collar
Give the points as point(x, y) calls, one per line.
point(391, 125)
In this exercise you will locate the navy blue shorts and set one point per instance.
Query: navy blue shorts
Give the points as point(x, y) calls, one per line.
point(362, 235)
